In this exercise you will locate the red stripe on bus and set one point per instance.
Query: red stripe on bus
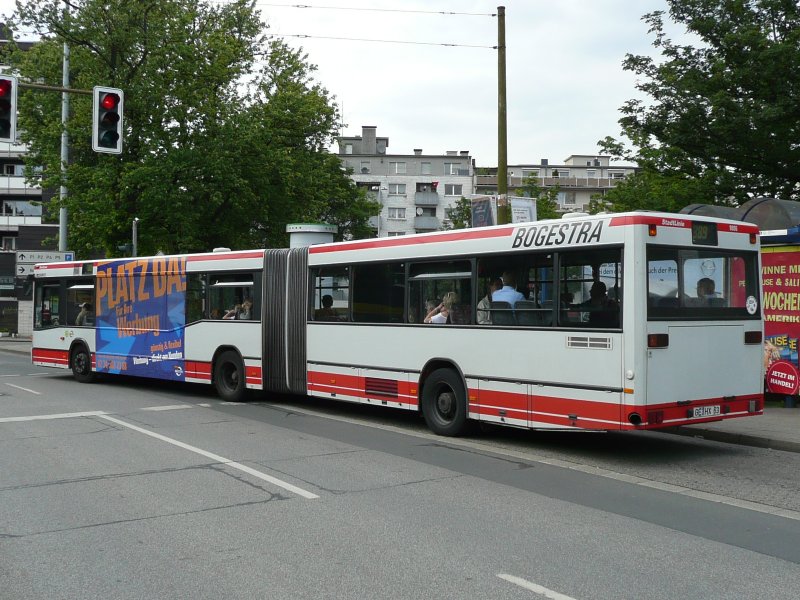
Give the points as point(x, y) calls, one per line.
point(51, 355)
point(473, 234)
point(198, 370)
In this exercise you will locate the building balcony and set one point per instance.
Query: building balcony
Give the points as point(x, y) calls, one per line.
point(426, 199)
point(7, 222)
point(426, 223)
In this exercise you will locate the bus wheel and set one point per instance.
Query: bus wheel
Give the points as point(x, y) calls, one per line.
point(444, 403)
point(81, 363)
point(229, 377)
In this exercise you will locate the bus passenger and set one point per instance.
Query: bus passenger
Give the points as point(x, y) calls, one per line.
point(484, 316)
point(602, 311)
point(246, 313)
point(441, 314)
point(231, 314)
point(327, 312)
point(84, 314)
point(508, 293)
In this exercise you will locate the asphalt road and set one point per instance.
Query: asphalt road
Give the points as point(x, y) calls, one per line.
point(134, 489)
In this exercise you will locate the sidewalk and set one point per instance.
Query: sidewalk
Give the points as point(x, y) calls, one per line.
point(778, 428)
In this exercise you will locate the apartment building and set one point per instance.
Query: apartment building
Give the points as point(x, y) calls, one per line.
point(21, 228)
point(415, 190)
point(579, 177)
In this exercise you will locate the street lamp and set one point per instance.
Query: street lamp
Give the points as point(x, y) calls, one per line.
point(135, 235)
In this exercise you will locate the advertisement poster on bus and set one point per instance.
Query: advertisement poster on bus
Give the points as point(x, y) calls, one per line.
point(780, 273)
point(141, 317)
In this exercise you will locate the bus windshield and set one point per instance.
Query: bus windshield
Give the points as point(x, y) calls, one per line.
point(689, 283)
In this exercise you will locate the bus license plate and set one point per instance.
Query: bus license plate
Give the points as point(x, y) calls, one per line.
point(706, 411)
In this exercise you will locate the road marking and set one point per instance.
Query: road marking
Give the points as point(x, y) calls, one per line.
point(528, 585)
point(169, 407)
point(19, 387)
point(555, 462)
point(216, 458)
point(94, 413)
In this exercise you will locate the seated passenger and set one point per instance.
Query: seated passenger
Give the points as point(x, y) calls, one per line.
point(441, 314)
point(508, 293)
point(602, 311)
point(327, 312)
point(484, 316)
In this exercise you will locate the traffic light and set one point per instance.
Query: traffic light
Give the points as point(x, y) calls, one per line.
point(8, 108)
point(107, 119)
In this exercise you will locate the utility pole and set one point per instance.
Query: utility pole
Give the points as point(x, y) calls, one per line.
point(62, 190)
point(502, 131)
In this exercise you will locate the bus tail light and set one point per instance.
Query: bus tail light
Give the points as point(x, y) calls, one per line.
point(658, 340)
point(752, 238)
point(652, 230)
point(752, 337)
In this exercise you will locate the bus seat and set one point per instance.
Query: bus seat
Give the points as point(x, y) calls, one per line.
point(528, 313)
point(502, 313)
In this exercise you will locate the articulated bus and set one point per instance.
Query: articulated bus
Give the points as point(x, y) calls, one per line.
point(618, 322)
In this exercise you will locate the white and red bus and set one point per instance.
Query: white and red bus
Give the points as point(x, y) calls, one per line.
point(345, 321)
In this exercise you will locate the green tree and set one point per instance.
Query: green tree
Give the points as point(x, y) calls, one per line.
point(546, 197)
point(719, 123)
point(459, 214)
point(225, 131)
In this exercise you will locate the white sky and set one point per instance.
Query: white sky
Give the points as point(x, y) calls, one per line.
point(565, 81)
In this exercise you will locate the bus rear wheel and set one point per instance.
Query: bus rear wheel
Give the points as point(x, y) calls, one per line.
point(80, 361)
point(229, 377)
point(444, 403)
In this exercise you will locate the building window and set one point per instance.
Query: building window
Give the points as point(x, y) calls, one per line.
point(397, 213)
point(426, 211)
point(395, 233)
point(530, 173)
point(567, 198)
point(365, 166)
point(454, 169)
point(591, 173)
point(8, 169)
point(397, 189)
point(616, 174)
point(452, 189)
point(425, 168)
point(9, 243)
point(561, 173)
point(397, 168)
point(348, 148)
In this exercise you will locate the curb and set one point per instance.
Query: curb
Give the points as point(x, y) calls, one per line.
point(742, 439)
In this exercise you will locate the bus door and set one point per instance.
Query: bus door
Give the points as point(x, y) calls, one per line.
point(701, 305)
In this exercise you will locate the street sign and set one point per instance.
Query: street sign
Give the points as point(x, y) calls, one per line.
point(27, 258)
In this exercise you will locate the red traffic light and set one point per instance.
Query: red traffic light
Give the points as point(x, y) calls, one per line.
point(5, 87)
point(109, 101)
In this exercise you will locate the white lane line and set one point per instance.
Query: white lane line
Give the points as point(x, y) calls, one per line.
point(216, 458)
point(19, 387)
point(538, 589)
point(555, 462)
point(169, 407)
point(94, 413)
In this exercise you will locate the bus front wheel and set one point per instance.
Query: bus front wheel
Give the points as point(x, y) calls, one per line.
point(80, 360)
point(444, 403)
point(229, 377)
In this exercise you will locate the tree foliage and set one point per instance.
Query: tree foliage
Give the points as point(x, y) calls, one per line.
point(546, 197)
point(459, 214)
point(720, 122)
point(225, 131)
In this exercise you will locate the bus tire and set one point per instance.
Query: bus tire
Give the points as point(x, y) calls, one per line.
point(80, 361)
point(444, 403)
point(229, 377)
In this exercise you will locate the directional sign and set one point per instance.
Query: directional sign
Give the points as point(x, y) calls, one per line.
point(32, 257)
point(27, 258)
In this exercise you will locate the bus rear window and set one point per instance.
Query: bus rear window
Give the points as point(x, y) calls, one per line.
point(687, 283)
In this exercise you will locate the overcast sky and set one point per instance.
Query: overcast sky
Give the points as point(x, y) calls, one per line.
point(565, 81)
